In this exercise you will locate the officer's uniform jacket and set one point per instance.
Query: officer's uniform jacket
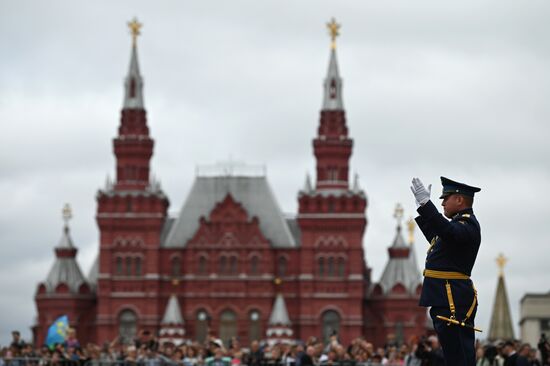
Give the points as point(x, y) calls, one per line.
point(453, 247)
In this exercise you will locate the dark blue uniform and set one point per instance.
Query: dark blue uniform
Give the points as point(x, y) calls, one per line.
point(453, 247)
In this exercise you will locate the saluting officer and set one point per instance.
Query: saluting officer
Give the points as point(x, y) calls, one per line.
point(447, 286)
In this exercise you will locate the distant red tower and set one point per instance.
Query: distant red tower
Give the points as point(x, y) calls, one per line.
point(130, 215)
point(332, 222)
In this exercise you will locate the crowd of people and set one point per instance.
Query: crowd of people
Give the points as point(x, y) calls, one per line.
point(146, 350)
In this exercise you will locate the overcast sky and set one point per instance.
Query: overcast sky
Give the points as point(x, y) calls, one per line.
point(431, 88)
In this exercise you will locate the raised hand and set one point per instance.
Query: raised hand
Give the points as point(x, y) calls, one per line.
point(421, 194)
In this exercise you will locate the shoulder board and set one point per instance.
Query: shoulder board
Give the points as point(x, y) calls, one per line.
point(466, 215)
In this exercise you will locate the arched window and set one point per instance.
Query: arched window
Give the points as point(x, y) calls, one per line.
point(254, 265)
point(138, 266)
point(233, 265)
point(330, 267)
point(201, 326)
point(254, 329)
point(118, 265)
point(281, 267)
point(127, 326)
point(223, 265)
point(331, 323)
point(128, 266)
point(202, 266)
point(175, 266)
point(228, 326)
point(341, 267)
point(321, 267)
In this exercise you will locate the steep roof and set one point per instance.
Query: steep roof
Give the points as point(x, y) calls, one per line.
point(501, 320)
point(65, 268)
point(94, 273)
point(133, 85)
point(332, 98)
point(254, 193)
point(401, 269)
point(279, 313)
point(172, 314)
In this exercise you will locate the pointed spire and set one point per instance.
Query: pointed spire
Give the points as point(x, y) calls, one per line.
point(65, 269)
point(332, 99)
point(133, 85)
point(66, 242)
point(108, 183)
point(356, 187)
point(279, 326)
point(279, 314)
point(411, 224)
point(172, 327)
point(501, 320)
point(307, 185)
point(333, 83)
point(398, 242)
point(172, 314)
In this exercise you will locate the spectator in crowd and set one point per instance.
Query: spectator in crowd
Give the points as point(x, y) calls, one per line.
point(17, 343)
point(544, 349)
point(488, 356)
point(307, 357)
point(255, 355)
point(218, 359)
point(145, 350)
point(71, 340)
point(510, 355)
point(411, 358)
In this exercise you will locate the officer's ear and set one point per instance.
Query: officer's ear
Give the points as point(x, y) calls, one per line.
point(465, 200)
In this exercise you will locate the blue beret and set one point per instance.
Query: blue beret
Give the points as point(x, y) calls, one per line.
point(452, 187)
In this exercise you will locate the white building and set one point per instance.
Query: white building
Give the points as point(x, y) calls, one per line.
point(535, 317)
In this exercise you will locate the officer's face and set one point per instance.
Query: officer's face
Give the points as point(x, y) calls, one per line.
point(451, 205)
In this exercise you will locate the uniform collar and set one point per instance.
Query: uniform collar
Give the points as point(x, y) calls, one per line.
point(469, 211)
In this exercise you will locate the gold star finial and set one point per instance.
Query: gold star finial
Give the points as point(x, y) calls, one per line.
point(67, 213)
point(398, 214)
point(411, 225)
point(135, 27)
point(501, 262)
point(334, 31)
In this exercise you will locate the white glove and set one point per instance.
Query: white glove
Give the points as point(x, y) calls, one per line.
point(421, 194)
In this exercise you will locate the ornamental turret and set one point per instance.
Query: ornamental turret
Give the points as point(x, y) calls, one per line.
point(65, 291)
point(172, 327)
point(401, 275)
point(65, 274)
point(279, 326)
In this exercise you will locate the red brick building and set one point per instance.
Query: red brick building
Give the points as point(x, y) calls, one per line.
point(231, 263)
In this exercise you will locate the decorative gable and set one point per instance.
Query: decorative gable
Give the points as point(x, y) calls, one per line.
point(228, 225)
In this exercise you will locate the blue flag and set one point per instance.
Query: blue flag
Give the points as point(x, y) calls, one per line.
point(57, 331)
